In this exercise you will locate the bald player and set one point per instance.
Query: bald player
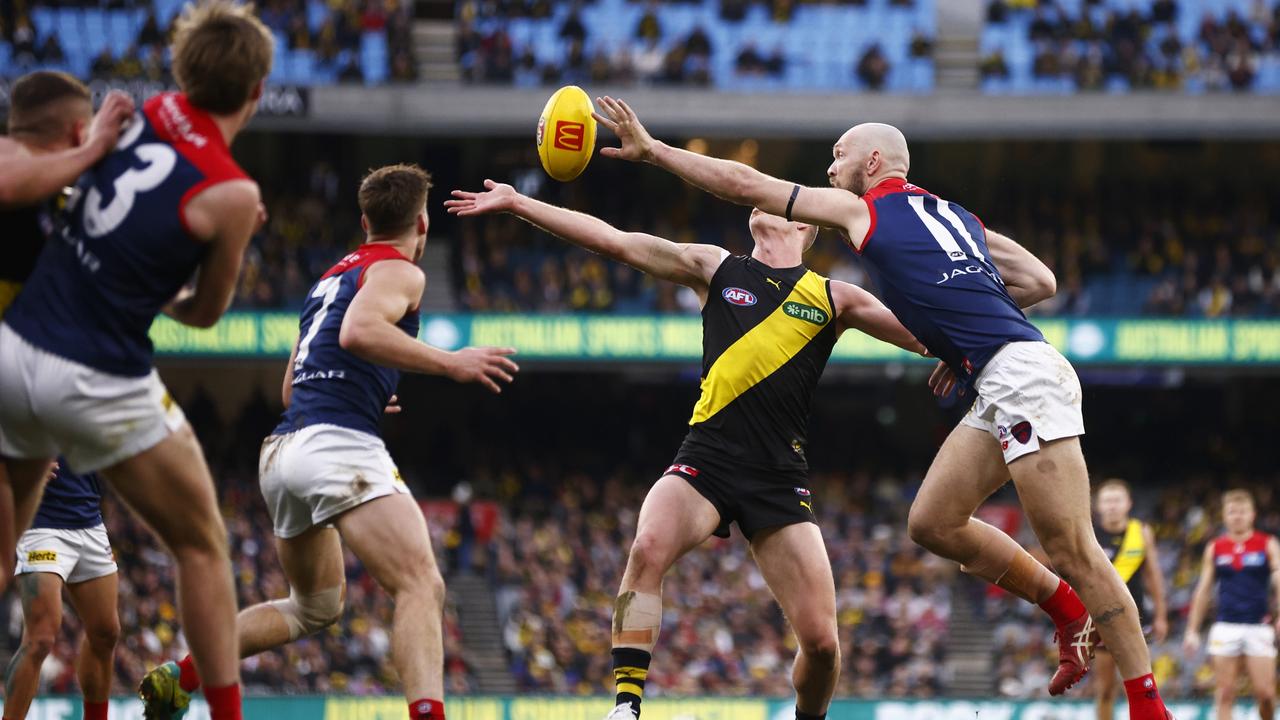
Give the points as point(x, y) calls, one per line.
point(960, 290)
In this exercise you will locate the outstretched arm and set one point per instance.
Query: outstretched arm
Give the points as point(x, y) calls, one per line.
point(691, 265)
point(1273, 559)
point(734, 181)
point(392, 289)
point(1153, 580)
point(1199, 601)
point(27, 179)
point(856, 308)
point(1028, 280)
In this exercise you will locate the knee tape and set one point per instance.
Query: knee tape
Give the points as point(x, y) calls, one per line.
point(637, 619)
point(305, 614)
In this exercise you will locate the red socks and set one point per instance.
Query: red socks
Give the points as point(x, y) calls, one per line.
point(95, 710)
point(1144, 699)
point(1063, 605)
point(426, 709)
point(189, 679)
point(224, 702)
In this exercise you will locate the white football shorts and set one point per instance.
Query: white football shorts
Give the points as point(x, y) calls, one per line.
point(1028, 392)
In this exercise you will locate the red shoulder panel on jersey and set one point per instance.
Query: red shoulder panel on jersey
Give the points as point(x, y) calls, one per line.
point(363, 257)
point(194, 135)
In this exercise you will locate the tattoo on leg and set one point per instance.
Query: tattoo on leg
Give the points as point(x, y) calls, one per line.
point(13, 667)
point(1107, 616)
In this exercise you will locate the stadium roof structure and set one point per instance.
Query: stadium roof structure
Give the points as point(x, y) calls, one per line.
point(454, 110)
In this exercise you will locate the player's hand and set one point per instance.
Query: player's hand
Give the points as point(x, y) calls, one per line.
point(1160, 629)
point(1191, 643)
point(942, 381)
point(53, 472)
point(484, 365)
point(110, 121)
point(497, 198)
point(393, 406)
point(637, 144)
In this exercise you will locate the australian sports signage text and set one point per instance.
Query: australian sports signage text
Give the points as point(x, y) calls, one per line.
point(678, 338)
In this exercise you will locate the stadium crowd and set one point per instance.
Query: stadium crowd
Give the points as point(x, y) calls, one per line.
point(1160, 45)
point(339, 41)
point(654, 47)
point(1184, 519)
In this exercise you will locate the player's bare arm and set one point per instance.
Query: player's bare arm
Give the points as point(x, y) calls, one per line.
point(1199, 602)
point(286, 387)
point(858, 309)
point(1153, 580)
point(369, 331)
point(26, 178)
point(689, 264)
point(226, 216)
point(1028, 280)
point(734, 181)
point(1273, 561)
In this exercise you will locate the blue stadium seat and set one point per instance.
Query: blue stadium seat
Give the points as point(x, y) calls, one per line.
point(317, 14)
point(373, 56)
point(44, 20)
point(120, 31)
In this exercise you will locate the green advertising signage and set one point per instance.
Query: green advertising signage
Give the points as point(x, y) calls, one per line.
point(678, 338)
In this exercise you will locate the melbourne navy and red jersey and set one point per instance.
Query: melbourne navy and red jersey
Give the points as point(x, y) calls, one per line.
point(330, 385)
point(125, 251)
point(935, 273)
point(1243, 578)
point(70, 502)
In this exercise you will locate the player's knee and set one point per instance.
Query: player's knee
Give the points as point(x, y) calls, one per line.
point(38, 644)
point(103, 637)
point(822, 648)
point(307, 613)
point(649, 554)
point(926, 531)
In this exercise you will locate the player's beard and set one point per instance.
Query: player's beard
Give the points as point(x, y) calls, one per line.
point(855, 184)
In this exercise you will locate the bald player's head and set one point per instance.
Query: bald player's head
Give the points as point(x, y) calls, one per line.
point(867, 154)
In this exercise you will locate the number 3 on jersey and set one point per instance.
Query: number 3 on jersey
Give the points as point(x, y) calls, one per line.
point(326, 289)
point(160, 160)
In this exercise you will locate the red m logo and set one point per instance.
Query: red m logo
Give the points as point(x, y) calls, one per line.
point(569, 135)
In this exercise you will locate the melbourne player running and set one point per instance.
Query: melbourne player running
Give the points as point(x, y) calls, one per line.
point(67, 547)
point(768, 327)
point(1130, 544)
point(325, 473)
point(53, 138)
point(1242, 565)
point(959, 289)
point(76, 375)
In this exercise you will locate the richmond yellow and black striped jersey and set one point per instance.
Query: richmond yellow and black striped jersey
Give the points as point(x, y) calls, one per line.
point(1127, 551)
point(766, 336)
point(22, 233)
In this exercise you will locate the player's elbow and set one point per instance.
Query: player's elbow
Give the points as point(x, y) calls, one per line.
point(202, 319)
point(1040, 283)
point(352, 339)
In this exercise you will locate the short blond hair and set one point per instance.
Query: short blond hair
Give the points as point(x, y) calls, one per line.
point(1115, 483)
point(221, 52)
point(1238, 496)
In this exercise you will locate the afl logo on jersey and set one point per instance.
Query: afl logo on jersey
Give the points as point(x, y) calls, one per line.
point(738, 296)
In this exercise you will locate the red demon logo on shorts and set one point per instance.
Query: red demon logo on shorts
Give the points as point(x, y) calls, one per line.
point(569, 135)
point(1022, 432)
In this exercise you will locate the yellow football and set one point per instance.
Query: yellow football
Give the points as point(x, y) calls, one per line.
point(566, 133)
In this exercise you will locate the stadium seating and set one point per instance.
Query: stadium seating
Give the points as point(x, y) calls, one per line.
point(85, 32)
point(1182, 53)
point(820, 44)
